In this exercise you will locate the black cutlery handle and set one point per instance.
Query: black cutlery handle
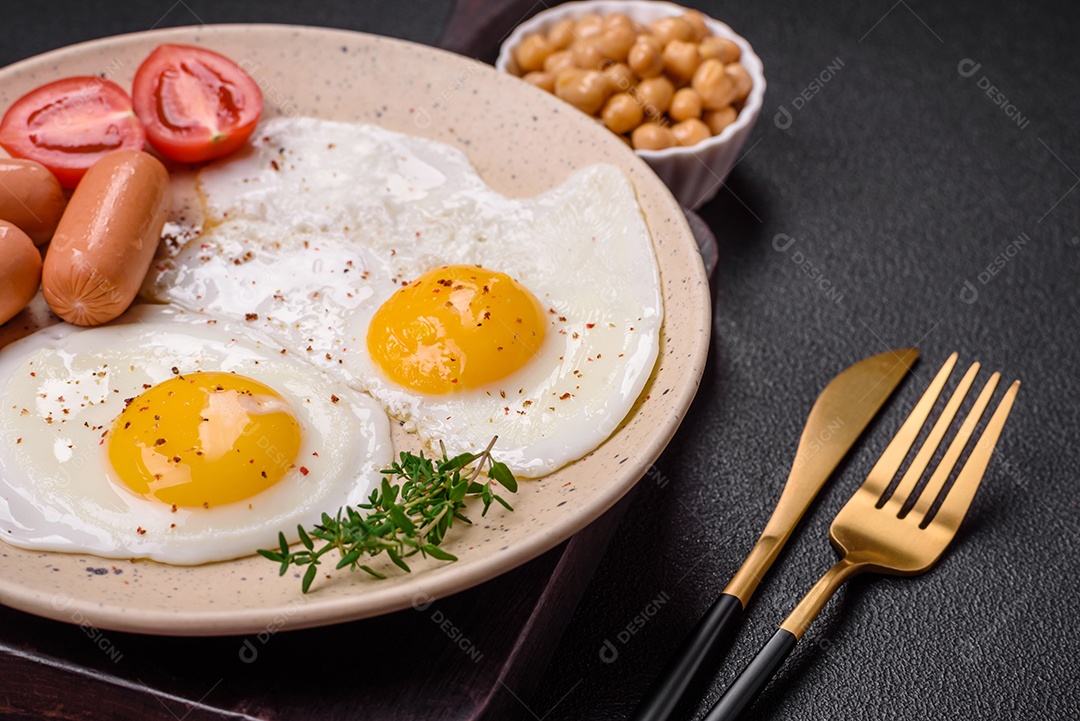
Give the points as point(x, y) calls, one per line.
point(748, 685)
point(712, 631)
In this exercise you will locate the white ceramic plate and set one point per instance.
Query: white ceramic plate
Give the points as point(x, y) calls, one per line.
point(522, 141)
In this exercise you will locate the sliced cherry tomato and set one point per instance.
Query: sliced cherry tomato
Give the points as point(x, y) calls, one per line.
point(69, 124)
point(196, 105)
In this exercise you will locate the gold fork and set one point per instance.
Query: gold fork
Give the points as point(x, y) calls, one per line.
point(902, 533)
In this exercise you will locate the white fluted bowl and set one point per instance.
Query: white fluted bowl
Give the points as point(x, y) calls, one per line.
point(693, 173)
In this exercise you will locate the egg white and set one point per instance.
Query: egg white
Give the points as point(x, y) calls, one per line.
point(57, 491)
point(317, 223)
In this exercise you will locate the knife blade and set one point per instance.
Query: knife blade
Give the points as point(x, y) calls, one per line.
point(838, 417)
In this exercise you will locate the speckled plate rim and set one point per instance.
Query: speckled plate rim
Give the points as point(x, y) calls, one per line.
point(684, 339)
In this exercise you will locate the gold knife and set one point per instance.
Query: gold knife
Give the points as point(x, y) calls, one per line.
point(843, 410)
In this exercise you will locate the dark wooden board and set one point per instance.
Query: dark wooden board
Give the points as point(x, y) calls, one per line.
point(477, 27)
point(470, 656)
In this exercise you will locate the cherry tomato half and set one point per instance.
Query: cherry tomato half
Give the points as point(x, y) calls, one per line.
point(196, 105)
point(69, 124)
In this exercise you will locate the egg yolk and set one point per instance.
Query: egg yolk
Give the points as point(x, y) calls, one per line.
point(456, 327)
point(204, 439)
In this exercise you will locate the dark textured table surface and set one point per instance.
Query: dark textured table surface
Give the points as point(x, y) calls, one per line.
point(912, 181)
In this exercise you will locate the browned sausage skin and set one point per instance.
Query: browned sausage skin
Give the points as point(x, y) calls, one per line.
point(30, 198)
point(20, 271)
point(106, 239)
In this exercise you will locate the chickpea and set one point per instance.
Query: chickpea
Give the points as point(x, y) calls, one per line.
point(655, 95)
point(532, 52)
point(713, 84)
point(724, 50)
point(588, 25)
point(557, 61)
point(622, 113)
point(561, 34)
point(668, 29)
point(586, 55)
point(651, 136)
point(717, 120)
point(697, 21)
point(633, 78)
point(741, 81)
point(680, 61)
point(710, 48)
point(584, 89)
point(615, 43)
point(685, 104)
point(618, 20)
point(645, 57)
point(731, 52)
point(542, 80)
point(621, 76)
point(690, 132)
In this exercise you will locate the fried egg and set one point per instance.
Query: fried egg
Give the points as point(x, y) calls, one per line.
point(389, 262)
point(170, 436)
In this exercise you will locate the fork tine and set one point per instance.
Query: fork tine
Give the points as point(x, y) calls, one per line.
point(956, 503)
point(885, 469)
point(929, 447)
point(941, 474)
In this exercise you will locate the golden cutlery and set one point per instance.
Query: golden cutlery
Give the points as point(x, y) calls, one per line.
point(845, 407)
point(903, 532)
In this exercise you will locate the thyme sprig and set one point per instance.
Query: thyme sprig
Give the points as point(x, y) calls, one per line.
point(401, 520)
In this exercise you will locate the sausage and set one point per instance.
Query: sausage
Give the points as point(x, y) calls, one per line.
point(20, 271)
point(106, 239)
point(30, 198)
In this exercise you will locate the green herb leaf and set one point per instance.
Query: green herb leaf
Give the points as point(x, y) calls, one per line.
point(308, 578)
point(457, 493)
point(457, 462)
point(389, 494)
point(305, 538)
point(350, 558)
point(398, 560)
point(400, 520)
point(436, 552)
point(502, 474)
point(374, 573)
point(397, 514)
